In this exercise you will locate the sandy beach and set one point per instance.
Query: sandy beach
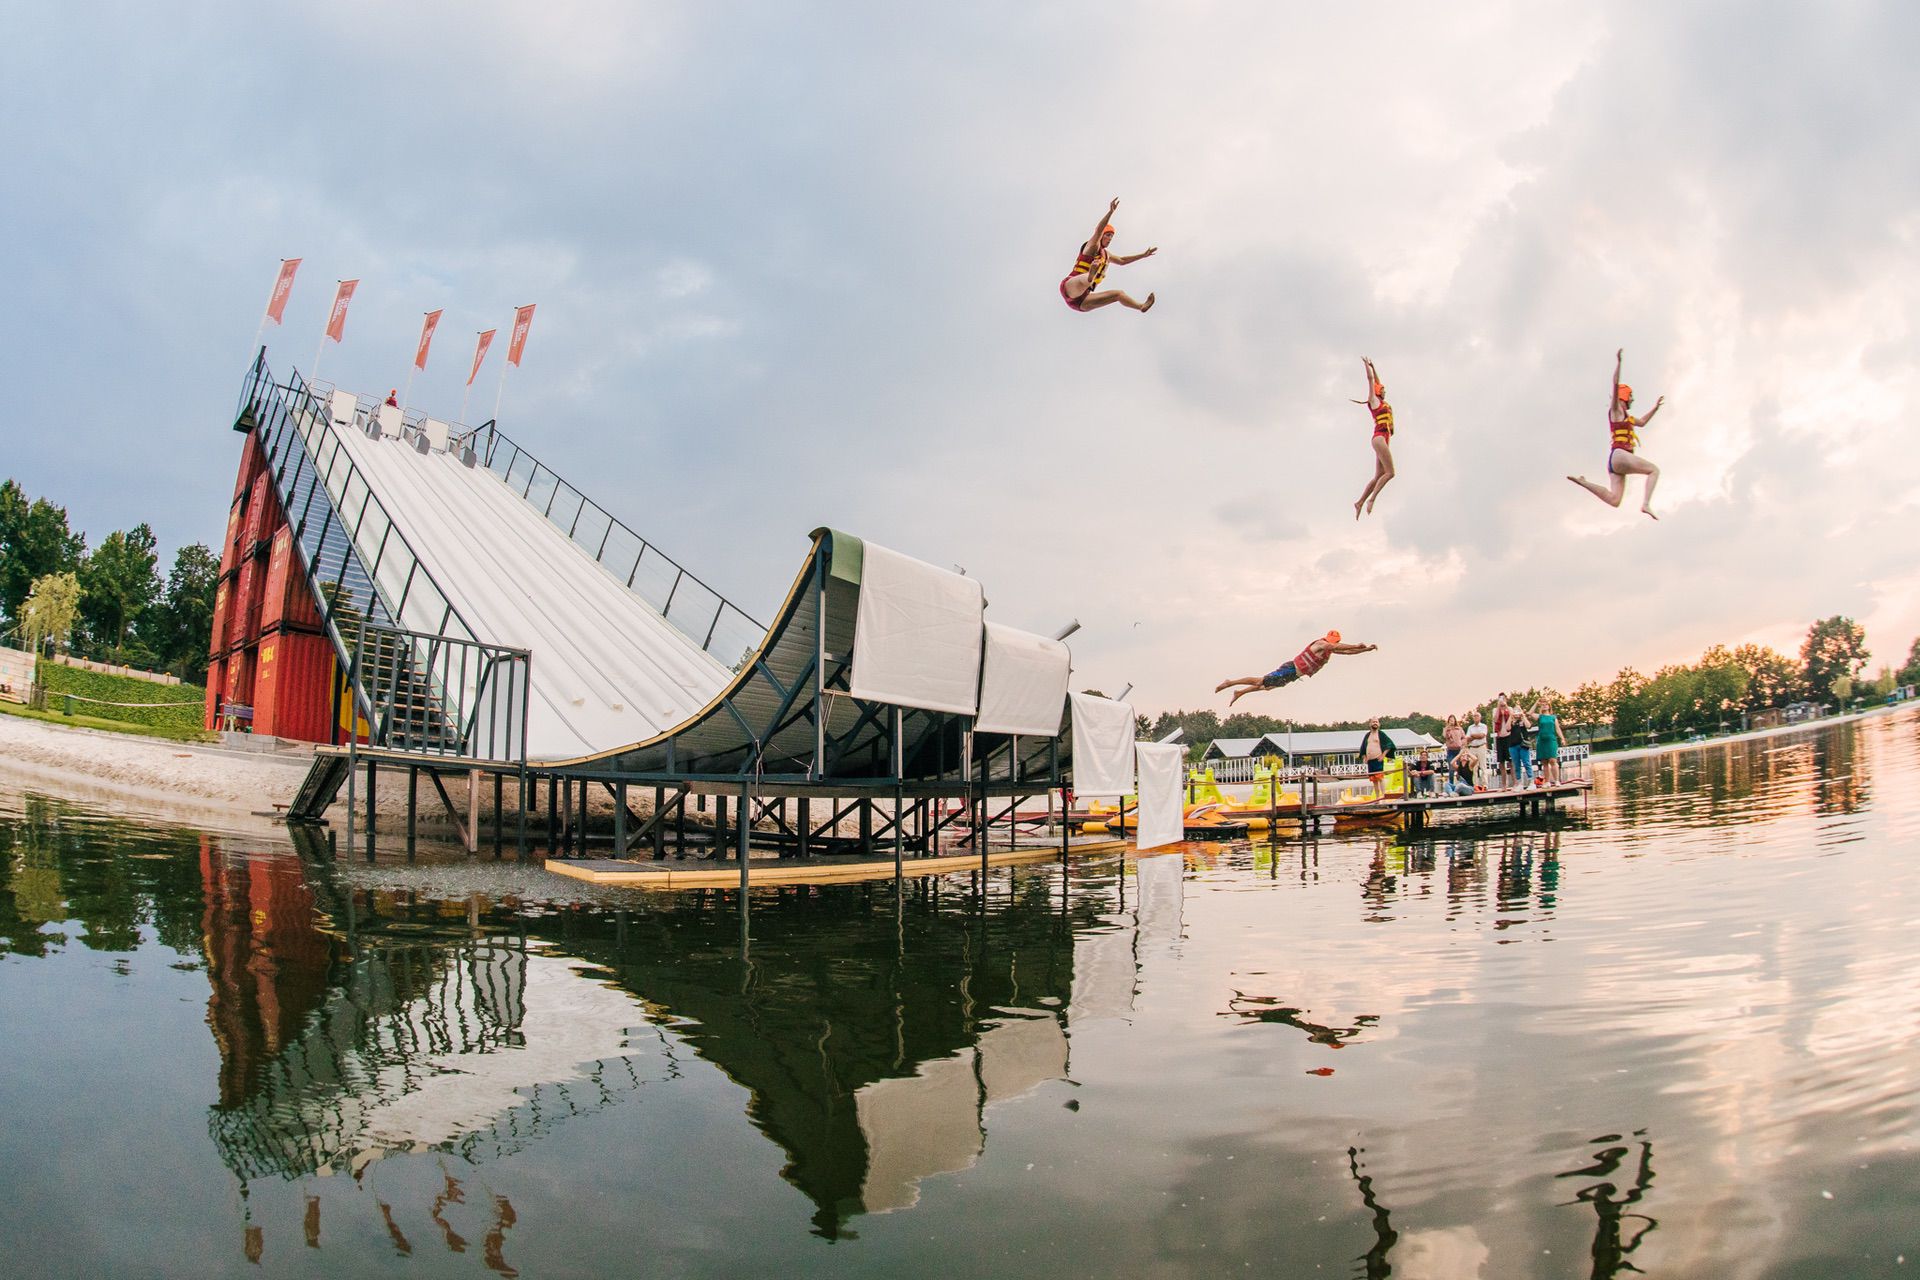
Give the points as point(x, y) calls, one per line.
point(151, 776)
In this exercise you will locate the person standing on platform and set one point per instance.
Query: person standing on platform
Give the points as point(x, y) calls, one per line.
point(1547, 743)
point(1454, 739)
point(1081, 288)
point(1476, 750)
point(1502, 744)
point(1623, 437)
point(1520, 753)
point(1376, 748)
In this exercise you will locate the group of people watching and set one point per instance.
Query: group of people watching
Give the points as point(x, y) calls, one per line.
point(1520, 742)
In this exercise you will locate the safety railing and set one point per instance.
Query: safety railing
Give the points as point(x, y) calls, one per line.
point(690, 606)
point(363, 571)
point(408, 674)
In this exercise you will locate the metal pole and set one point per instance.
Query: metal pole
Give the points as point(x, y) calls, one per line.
point(371, 800)
point(413, 803)
point(620, 819)
point(746, 829)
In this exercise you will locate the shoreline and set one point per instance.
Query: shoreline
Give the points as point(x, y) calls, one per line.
point(155, 777)
point(1752, 735)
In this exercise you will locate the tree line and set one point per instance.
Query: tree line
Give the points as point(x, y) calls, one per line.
point(1722, 689)
point(108, 603)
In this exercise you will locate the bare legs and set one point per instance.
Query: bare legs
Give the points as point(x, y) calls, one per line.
point(1619, 466)
point(1382, 472)
point(1241, 686)
point(1077, 290)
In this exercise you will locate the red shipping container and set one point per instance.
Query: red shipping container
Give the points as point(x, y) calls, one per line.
point(222, 596)
point(263, 512)
point(230, 548)
point(239, 678)
point(216, 690)
point(253, 460)
point(293, 690)
point(288, 601)
point(240, 629)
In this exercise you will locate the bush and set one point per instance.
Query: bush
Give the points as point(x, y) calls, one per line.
point(57, 680)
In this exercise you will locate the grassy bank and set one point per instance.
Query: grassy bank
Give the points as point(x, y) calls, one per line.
point(122, 702)
point(195, 734)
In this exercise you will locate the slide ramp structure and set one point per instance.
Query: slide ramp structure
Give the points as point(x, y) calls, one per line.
point(488, 616)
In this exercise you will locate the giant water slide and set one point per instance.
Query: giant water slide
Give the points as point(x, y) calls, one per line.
point(625, 664)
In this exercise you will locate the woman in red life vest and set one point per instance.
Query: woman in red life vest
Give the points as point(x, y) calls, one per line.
point(1309, 660)
point(1082, 285)
point(1622, 437)
point(1382, 412)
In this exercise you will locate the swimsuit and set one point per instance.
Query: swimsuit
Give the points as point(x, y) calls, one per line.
point(1383, 420)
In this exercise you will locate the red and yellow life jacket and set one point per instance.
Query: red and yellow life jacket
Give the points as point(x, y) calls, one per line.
point(1622, 433)
point(1306, 662)
point(1094, 268)
point(1383, 419)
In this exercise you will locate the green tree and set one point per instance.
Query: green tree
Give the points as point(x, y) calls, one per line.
point(1842, 690)
point(1834, 647)
point(34, 542)
point(179, 628)
point(1910, 674)
point(1720, 686)
point(118, 583)
point(1588, 708)
point(50, 609)
point(1773, 679)
point(1626, 695)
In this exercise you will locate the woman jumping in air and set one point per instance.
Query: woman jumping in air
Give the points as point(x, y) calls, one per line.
point(1090, 267)
point(1309, 660)
point(1622, 461)
point(1382, 412)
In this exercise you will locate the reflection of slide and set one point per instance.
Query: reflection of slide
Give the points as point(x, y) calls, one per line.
point(931, 1122)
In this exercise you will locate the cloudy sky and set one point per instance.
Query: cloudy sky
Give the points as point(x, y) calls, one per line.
point(797, 265)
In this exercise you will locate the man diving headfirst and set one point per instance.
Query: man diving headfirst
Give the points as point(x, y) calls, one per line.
point(1090, 267)
point(1309, 660)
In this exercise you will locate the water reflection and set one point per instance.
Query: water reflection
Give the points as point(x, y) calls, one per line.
point(1126, 1066)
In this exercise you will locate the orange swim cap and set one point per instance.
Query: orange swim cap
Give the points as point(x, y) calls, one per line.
point(1379, 388)
point(1333, 637)
point(1625, 393)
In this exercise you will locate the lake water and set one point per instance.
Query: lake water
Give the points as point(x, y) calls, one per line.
point(1674, 1035)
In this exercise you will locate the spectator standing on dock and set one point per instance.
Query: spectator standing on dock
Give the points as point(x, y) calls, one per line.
point(1454, 739)
point(1622, 438)
point(1375, 747)
point(1476, 750)
point(1090, 267)
point(1309, 660)
point(1547, 744)
point(1520, 753)
point(1376, 403)
point(1502, 743)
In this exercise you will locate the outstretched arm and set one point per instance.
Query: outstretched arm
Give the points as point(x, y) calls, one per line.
point(1619, 358)
point(1093, 241)
point(1353, 648)
point(1122, 259)
point(1648, 416)
point(1373, 380)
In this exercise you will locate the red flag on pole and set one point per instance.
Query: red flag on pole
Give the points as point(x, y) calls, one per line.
point(337, 318)
point(426, 339)
point(277, 304)
point(522, 321)
point(480, 354)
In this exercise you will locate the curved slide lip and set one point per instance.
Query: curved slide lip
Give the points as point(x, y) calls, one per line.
point(847, 552)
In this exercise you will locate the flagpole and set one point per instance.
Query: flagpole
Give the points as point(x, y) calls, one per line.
point(500, 391)
point(259, 335)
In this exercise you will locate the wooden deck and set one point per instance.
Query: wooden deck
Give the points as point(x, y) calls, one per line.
point(1418, 809)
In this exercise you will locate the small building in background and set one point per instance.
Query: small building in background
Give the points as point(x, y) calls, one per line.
point(1319, 749)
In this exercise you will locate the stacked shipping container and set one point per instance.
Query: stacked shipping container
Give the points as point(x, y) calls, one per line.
point(270, 658)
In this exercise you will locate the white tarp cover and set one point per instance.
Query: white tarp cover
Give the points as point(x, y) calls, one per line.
point(1162, 816)
point(389, 418)
point(1024, 683)
point(917, 635)
point(1102, 746)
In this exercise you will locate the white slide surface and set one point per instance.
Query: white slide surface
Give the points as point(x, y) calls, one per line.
point(606, 668)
